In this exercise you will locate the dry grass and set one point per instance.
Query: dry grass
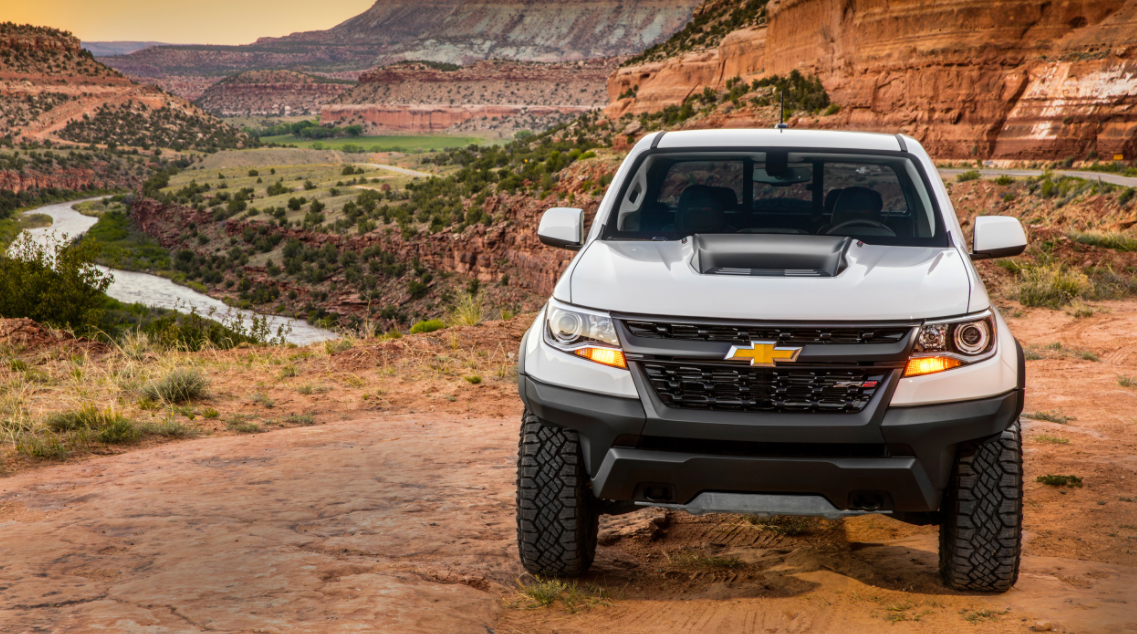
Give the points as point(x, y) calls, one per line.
point(160, 393)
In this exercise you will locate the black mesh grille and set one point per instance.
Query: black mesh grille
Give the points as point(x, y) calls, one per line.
point(783, 335)
point(721, 387)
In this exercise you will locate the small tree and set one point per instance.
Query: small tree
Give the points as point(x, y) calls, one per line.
point(58, 286)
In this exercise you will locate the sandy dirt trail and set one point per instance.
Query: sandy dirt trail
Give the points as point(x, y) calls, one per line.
point(405, 524)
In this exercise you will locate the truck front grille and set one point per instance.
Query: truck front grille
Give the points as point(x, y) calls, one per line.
point(746, 389)
point(783, 335)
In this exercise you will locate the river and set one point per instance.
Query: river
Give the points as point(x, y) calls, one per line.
point(160, 292)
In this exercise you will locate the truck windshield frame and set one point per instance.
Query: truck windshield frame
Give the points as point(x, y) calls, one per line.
point(877, 197)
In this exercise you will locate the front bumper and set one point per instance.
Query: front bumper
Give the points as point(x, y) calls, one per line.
point(890, 459)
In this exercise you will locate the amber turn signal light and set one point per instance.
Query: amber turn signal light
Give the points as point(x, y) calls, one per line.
point(606, 356)
point(930, 365)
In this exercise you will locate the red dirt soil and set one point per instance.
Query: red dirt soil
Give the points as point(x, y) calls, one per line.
point(401, 522)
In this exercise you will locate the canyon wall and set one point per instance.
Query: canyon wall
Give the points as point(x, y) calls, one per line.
point(1009, 79)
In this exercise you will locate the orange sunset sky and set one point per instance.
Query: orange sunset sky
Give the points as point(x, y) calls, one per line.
point(182, 22)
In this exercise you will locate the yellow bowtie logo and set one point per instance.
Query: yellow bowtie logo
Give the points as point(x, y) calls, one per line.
point(763, 353)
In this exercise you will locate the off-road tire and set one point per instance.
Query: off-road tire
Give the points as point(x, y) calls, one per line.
point(557, 518)
point(981, 529)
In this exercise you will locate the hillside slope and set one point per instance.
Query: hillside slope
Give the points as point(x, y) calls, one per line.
point(52, 90)
point(496, 96)
point(1012, 79)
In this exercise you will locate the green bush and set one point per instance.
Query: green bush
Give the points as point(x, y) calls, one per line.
point(969, 175)
point(1060, 480)
point(178, 386)
point(119, 432)
point(1109, 240)
point(59, 286)
point(430, 325)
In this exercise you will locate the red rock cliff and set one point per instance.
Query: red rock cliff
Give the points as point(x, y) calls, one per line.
point(969, 78)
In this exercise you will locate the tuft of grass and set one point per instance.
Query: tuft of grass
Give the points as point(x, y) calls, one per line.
point(975, 616)
point(573, 597)
point(1060, 480)
point(86, 417)
point(178, 386)
point(1058, 416)
point(300, 419)
point(49, 447)
point(473, 379)
point(17, 365)
point(264, 400)
point(1004, 180)
point(146, 403)
point(242, 427)
point(700, 560)
point(1054, 440)
point(429, 325)
point(1115, 240)
point(170, 429)
point(333, 346)
point(969, 175)
point(469, 311)
point(119, 432)
point(1125, 380)
point(1030, 353)
point(210, 413)
point(789, 525)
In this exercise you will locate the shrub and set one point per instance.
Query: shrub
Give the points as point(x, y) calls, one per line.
point(1004, 180)
point(1051, 417)
point(430, 325)
point(473, 379)
point(301, 419)
point(58, 286)
point(1050, 285)
point(178, 386)
point(969, 175)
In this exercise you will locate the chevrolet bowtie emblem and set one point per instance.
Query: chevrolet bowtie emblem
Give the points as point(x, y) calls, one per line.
point(763, 353)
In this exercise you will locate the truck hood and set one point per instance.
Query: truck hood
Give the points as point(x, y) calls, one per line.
point(879, 283)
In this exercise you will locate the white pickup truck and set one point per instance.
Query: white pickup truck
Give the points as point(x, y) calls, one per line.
point(774, 322)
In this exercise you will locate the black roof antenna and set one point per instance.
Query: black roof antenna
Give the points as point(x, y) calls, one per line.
point(781, 125)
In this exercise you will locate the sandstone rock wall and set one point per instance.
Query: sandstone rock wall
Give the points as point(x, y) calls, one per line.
point(1008, 79)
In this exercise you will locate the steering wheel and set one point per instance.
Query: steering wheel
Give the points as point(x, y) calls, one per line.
point(863, 223)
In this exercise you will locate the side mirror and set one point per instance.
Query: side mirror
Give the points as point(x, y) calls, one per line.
point(562, 227)
point(997, 237)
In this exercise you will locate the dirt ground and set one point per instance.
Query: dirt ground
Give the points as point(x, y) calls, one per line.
point(384, 520)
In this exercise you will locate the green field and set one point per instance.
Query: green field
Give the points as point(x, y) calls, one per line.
point(381, 143)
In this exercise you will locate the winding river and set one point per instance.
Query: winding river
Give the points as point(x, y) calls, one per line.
point(159, 292)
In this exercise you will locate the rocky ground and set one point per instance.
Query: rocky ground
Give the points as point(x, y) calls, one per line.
point(391, 508)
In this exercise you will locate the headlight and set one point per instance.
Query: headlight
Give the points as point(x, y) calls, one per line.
point(943, 345)
point(586, 333)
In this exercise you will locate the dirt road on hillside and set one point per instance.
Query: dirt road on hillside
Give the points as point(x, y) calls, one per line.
point(405, 524)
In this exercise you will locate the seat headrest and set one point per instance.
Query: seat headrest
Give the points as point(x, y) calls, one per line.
point(699, 210)
point(831, 199)
point(857, 203)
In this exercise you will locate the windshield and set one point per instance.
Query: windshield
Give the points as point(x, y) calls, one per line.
point(879, 199)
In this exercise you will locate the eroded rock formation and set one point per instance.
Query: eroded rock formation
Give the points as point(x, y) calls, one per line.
point(1013, 79)
point(272, 92)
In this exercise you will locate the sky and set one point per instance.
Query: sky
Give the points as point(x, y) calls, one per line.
point(181, 21)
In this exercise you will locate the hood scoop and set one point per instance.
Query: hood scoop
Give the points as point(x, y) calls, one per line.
point(770, 255)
